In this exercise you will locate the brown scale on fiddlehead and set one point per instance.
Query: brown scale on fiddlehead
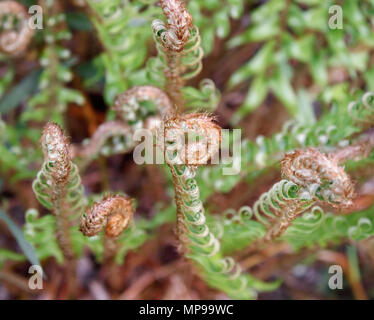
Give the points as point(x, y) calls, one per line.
point(311, 167)
point(114, 213)
point(176, 32)
point(55, 148)
point(15, 33)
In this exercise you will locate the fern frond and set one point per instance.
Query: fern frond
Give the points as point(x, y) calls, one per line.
point(40, 232)
point(115, 214)
point(311, 167)
point(201, 245)
point(58, 185)
point(125, 46)
point(317, 228)
point(56, 73)
point(203, 139)
point(178, 43)
point(267, 151)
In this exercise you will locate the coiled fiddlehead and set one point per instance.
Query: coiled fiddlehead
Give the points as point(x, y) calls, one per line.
point(311, 167)
point(200, 128)
point(15, 32)
point(197, 241)
point(178, 44)
point(58, 185)
point(114, 213)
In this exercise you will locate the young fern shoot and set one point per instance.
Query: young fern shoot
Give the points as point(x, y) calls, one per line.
point(114, 213)
point(58, 185)
point(178, 43)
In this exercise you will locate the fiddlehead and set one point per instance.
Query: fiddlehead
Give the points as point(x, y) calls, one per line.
point(197, 241)
point(114, 213)
point(15, 33)
point(311, 167)
point(58, 185)
point(179, 48)
point(175, 33)
point(203, 139)
point(267, 151)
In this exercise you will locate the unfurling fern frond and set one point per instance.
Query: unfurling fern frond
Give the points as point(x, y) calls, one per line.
point(178, 43)
point(311, 167)
point(267, 151)
point(201, 245)
point(15, 32)
point(312, 176)
point(197, 241)
point(114, 213)
point(203, 139)
point(58, 185)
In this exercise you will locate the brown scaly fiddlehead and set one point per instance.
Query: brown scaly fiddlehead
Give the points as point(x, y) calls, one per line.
point(182, 158)
point(310, 167)
point(179, 45)
point(114, 213)
point(311, 176)
point(197, 241)
point(203, 138)
point(15, 33)
point(58, 186)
